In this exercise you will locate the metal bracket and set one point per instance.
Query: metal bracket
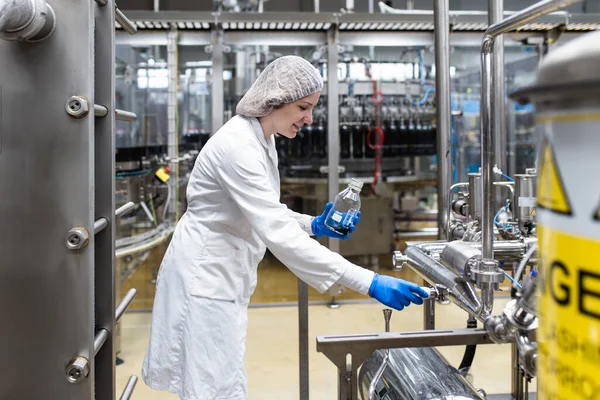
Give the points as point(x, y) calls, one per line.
point(349, 352)
point(324, 169)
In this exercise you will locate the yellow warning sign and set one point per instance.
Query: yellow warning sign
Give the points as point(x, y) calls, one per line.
point(551, 191)
point(569, 316)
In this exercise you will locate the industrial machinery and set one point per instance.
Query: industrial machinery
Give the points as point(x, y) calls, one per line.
point(57, 210)
point(486, 239)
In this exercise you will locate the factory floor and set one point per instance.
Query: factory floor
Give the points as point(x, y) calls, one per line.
point(272, 348)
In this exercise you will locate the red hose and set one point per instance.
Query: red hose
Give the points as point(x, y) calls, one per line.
point(376, 129)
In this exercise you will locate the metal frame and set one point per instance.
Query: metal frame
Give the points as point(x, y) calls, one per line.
point(411, 20)
point(349, 352)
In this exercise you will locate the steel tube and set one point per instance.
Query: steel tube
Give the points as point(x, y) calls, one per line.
point(124, 304)
point(124, 209)
point(125, 22)
point(125, 116)
point(173, 138)
point(333, 123)
point(99, 340)
point(461, 292)
point(488, 126)
point(505, 250)
point(495, 15)
point(217, 90)
point(100, 111)
point(101, 2)
point(487, 153)
point(303, 345)
point(442, 84)
point(530, 13)
point(100, 224)
point(129, 388)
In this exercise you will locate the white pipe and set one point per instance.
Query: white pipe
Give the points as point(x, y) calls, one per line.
point(318, 5)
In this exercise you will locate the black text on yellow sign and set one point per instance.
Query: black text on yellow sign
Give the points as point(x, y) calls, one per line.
point(551, 193)
point(569, 315)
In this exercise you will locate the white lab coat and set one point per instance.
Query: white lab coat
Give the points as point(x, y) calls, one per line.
point(208, 274)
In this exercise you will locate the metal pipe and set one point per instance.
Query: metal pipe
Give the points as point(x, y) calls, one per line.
point(530, 13)
point(101, 2)
point(125, 116)
point(125, 22)
point(488, 125)
point(217, 94)
point(303, 346)
point(505, 250)
point(495, 15)
point(487, 301)
point(124, 209)
point(333, 124)
point(100, 111)
point(129, 388)
point(124, 304)
point(100, 224)
point(99, 340)
point(317, 4)
point(387, 315)
point(461, 292)
point(442, 83)
point(173, 138)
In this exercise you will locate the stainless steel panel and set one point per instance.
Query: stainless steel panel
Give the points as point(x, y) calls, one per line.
point(47, 173)
point(103, 368)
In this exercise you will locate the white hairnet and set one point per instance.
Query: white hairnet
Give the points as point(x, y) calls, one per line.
point(286, 79)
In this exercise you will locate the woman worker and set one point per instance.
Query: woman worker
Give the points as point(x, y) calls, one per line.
point(208, 273)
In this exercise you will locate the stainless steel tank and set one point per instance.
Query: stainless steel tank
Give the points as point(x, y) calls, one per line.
point(419, 373)
point(567, 102)
point(525, 201)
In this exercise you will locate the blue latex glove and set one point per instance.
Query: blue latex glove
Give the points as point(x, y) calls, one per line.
point(319, 228)
point(396, 293)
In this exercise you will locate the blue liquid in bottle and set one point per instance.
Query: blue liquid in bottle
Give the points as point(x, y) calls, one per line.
point(345, 207)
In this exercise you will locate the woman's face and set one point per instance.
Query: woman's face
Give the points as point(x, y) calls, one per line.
point(292, 116)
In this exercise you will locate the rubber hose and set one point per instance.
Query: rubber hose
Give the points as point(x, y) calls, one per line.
point(467, 360)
